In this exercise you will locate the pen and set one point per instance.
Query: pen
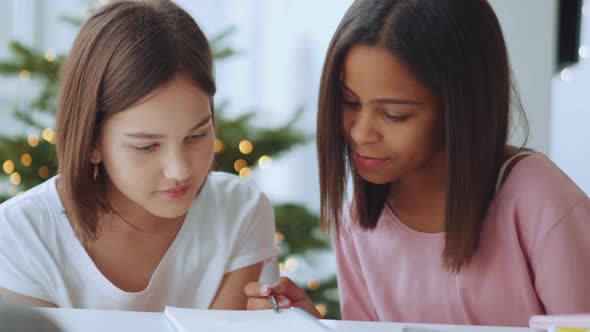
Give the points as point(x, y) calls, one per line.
point(273, 302)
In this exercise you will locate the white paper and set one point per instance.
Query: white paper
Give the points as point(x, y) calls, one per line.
point(287, 320)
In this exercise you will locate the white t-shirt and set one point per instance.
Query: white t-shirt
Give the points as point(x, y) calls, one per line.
point(230, 225)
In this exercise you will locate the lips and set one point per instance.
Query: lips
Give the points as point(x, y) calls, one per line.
point(176, 192)
point(369, 162)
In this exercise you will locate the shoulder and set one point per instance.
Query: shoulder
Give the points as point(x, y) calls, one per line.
point(538, 190)
point(229, 199)
point(224, 187)
point(30, 210)
point(540, 180)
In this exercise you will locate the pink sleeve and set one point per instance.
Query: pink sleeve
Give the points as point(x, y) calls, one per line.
point(355, 303)
point(561, 263)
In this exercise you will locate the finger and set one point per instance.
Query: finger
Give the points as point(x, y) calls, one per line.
point(283, 286)
point(289, 289)
point(284, 303)
point(255, 303)
point(255, 289)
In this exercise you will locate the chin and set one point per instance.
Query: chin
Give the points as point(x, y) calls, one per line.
point(169, 214)
point(170, 211)
point(376, 178)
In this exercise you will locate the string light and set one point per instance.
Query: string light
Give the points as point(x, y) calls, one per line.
point(291, 264)
point(584, 51)
point(264, 162)
point(15, 178)
point(26, 159)
point(239, 164)
point(50, 55)
point(49, 135)
point(245, 147)
point(12, 191)
point(322, 309)
point(219, 146)
point(8, 167)
point(279, 237)
point(245, 173)
point(33, 140)
point(566, 75)
point(313, 284)
point(24, 75)
point(43, 172)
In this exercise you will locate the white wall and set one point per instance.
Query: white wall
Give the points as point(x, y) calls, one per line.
point(571, 114)
point(529, 28)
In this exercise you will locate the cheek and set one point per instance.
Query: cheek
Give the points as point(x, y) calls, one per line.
point(416, 138)
point(347, 121)
point(428, 137)
point(202, 154)
point(124, 165)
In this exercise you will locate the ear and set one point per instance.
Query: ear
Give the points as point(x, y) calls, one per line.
point(95, 155)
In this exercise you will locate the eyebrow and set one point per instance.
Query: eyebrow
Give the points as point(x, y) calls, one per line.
point(395, 101)
point(157, 136)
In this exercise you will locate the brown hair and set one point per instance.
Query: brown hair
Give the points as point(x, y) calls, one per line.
point(123, 52)
point(456, 48)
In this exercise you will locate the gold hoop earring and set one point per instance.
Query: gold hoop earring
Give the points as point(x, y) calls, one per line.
point(95, 174)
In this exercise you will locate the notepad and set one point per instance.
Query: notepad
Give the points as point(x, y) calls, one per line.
point(541, 322)
point(287, 320)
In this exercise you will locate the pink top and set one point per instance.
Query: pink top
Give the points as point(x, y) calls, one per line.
point(533, 258)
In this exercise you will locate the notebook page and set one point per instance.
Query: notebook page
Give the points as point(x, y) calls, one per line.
point(287, 320)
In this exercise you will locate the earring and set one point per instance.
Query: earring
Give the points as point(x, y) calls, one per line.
point(95, 175)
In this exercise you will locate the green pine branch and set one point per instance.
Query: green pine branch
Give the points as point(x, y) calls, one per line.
point(300, 227)
point(43, 155)
point(326, 294)
point(266, 141)
point(34, 61)
point(221, 51)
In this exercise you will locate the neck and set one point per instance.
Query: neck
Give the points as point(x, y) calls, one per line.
point(419, 198)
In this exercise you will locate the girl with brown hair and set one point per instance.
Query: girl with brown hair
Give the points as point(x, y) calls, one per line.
point(135, 220)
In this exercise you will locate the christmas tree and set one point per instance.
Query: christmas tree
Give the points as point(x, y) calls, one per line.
point(29, 159)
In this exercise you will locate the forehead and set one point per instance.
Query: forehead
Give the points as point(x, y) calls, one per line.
point(373, 72)
point(170, 108)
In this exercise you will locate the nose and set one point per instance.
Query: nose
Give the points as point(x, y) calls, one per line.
point(363, 128)
point(177, 166)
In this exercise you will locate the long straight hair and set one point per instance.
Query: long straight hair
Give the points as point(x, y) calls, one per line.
point(122, 53)
point(456, 48)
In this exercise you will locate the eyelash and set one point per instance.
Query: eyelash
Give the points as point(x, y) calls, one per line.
point(395, 118)
point(356, 105)
point(149, 148)
point(351, 104)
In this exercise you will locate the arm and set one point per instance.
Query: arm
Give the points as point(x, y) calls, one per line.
point(561, 263)
point(230, 295)
point(12, 297)
point(19, 282)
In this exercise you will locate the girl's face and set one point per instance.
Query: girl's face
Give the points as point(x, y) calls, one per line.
point(158, 152)
point(393, 123)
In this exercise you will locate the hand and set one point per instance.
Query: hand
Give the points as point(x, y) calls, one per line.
point(286, 292)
